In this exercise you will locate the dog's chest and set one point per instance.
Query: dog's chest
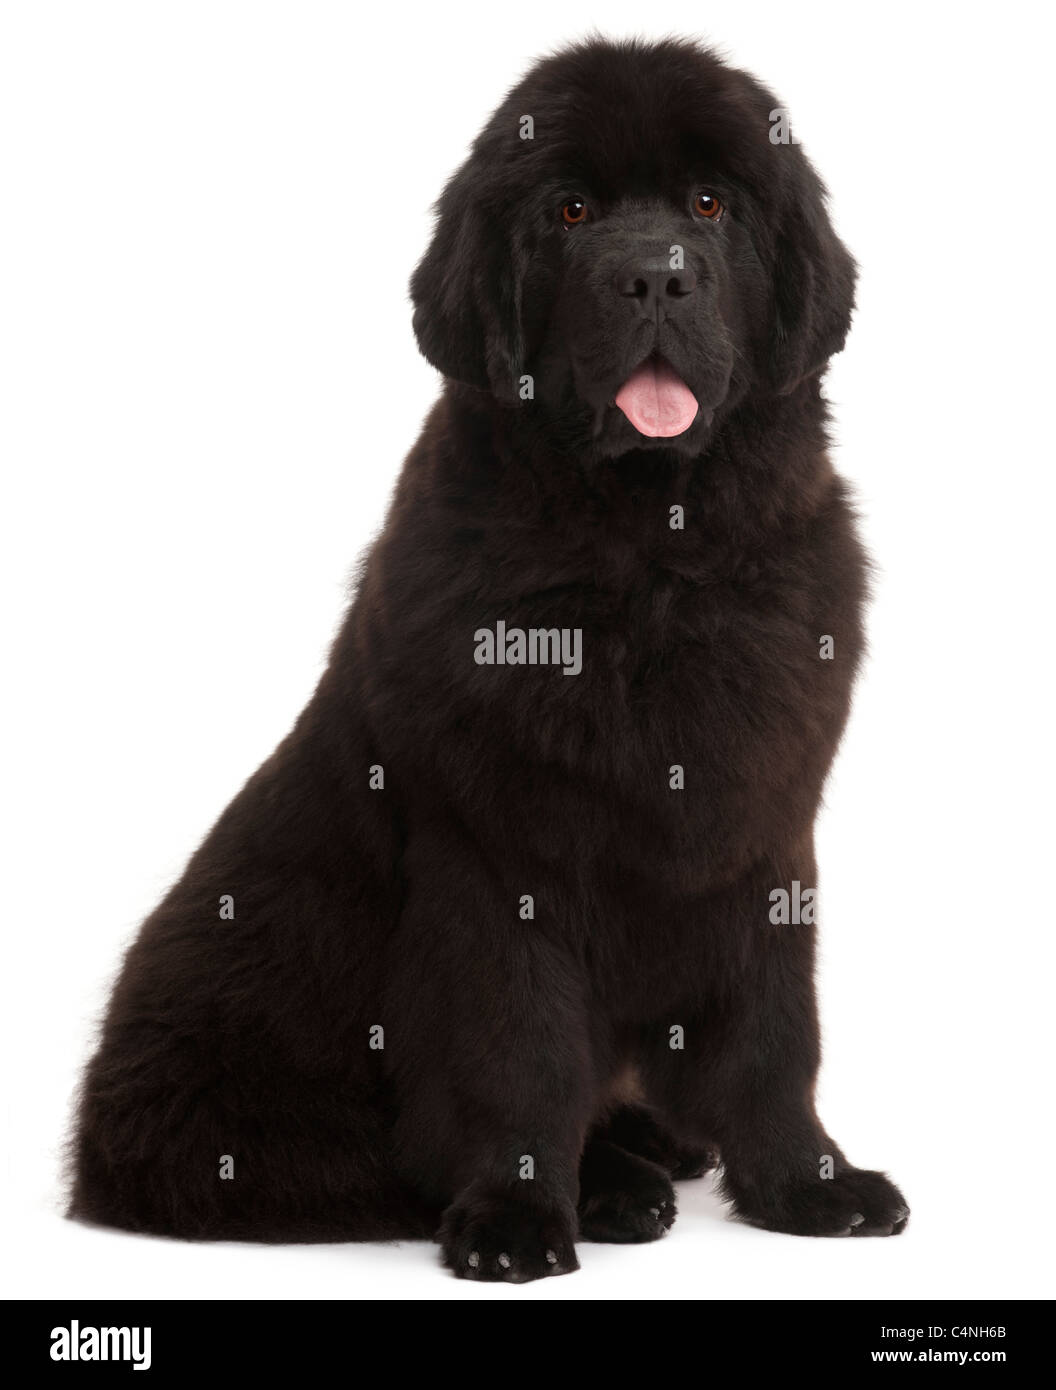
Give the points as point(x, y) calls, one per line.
point(695, 713)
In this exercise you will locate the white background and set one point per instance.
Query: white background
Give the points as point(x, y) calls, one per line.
point(211, 211)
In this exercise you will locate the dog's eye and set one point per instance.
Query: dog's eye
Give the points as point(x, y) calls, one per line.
point(706, 204)
point(574, 212)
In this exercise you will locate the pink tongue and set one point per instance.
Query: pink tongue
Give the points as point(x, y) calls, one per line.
point(656, 400)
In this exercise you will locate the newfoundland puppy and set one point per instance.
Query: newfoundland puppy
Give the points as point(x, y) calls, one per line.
point(517, 925)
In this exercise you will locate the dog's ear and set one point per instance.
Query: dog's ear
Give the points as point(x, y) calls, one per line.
point(467, 289)
point(813, 281)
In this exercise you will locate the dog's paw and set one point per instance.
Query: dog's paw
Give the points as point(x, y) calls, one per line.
point(499, 1240)
point(857, 1202)
point(624, 1199)
point(628, 1218)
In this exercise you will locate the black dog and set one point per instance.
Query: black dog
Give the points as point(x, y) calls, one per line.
point(517, 923)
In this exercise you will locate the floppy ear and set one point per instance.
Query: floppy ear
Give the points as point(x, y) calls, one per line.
point(814, 278)
point(467, 291)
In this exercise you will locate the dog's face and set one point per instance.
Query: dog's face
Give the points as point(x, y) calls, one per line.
point(627, 235)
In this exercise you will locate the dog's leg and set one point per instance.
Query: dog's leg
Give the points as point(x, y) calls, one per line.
point(745, 1071)
point(640, 1130)
point(236, 1090)
point(490, 1060)
point(623, 1198)
point(625, 1191)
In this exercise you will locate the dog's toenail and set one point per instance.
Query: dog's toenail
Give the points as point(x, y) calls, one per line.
point(474, 1260)
point(857, 1219)
point(655, 1212)
point(504, 1260)
point(551, 1258)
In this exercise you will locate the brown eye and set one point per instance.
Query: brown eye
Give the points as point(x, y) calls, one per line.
point(706, 204)
point(574, 212)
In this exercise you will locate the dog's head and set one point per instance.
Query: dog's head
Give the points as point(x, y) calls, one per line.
point(633, 246)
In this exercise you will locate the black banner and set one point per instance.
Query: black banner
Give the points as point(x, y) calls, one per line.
point(171, 1339)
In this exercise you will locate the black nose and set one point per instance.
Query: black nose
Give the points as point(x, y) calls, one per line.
point(651, 280)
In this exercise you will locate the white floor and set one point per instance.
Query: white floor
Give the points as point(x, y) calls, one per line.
point(967, 1240)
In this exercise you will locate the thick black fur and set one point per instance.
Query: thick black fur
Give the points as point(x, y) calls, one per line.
point(518, 1045)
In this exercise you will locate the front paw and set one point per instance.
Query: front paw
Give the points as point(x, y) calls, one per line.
point(493, 1238)
point(624, 1199)
point(856, 1202)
